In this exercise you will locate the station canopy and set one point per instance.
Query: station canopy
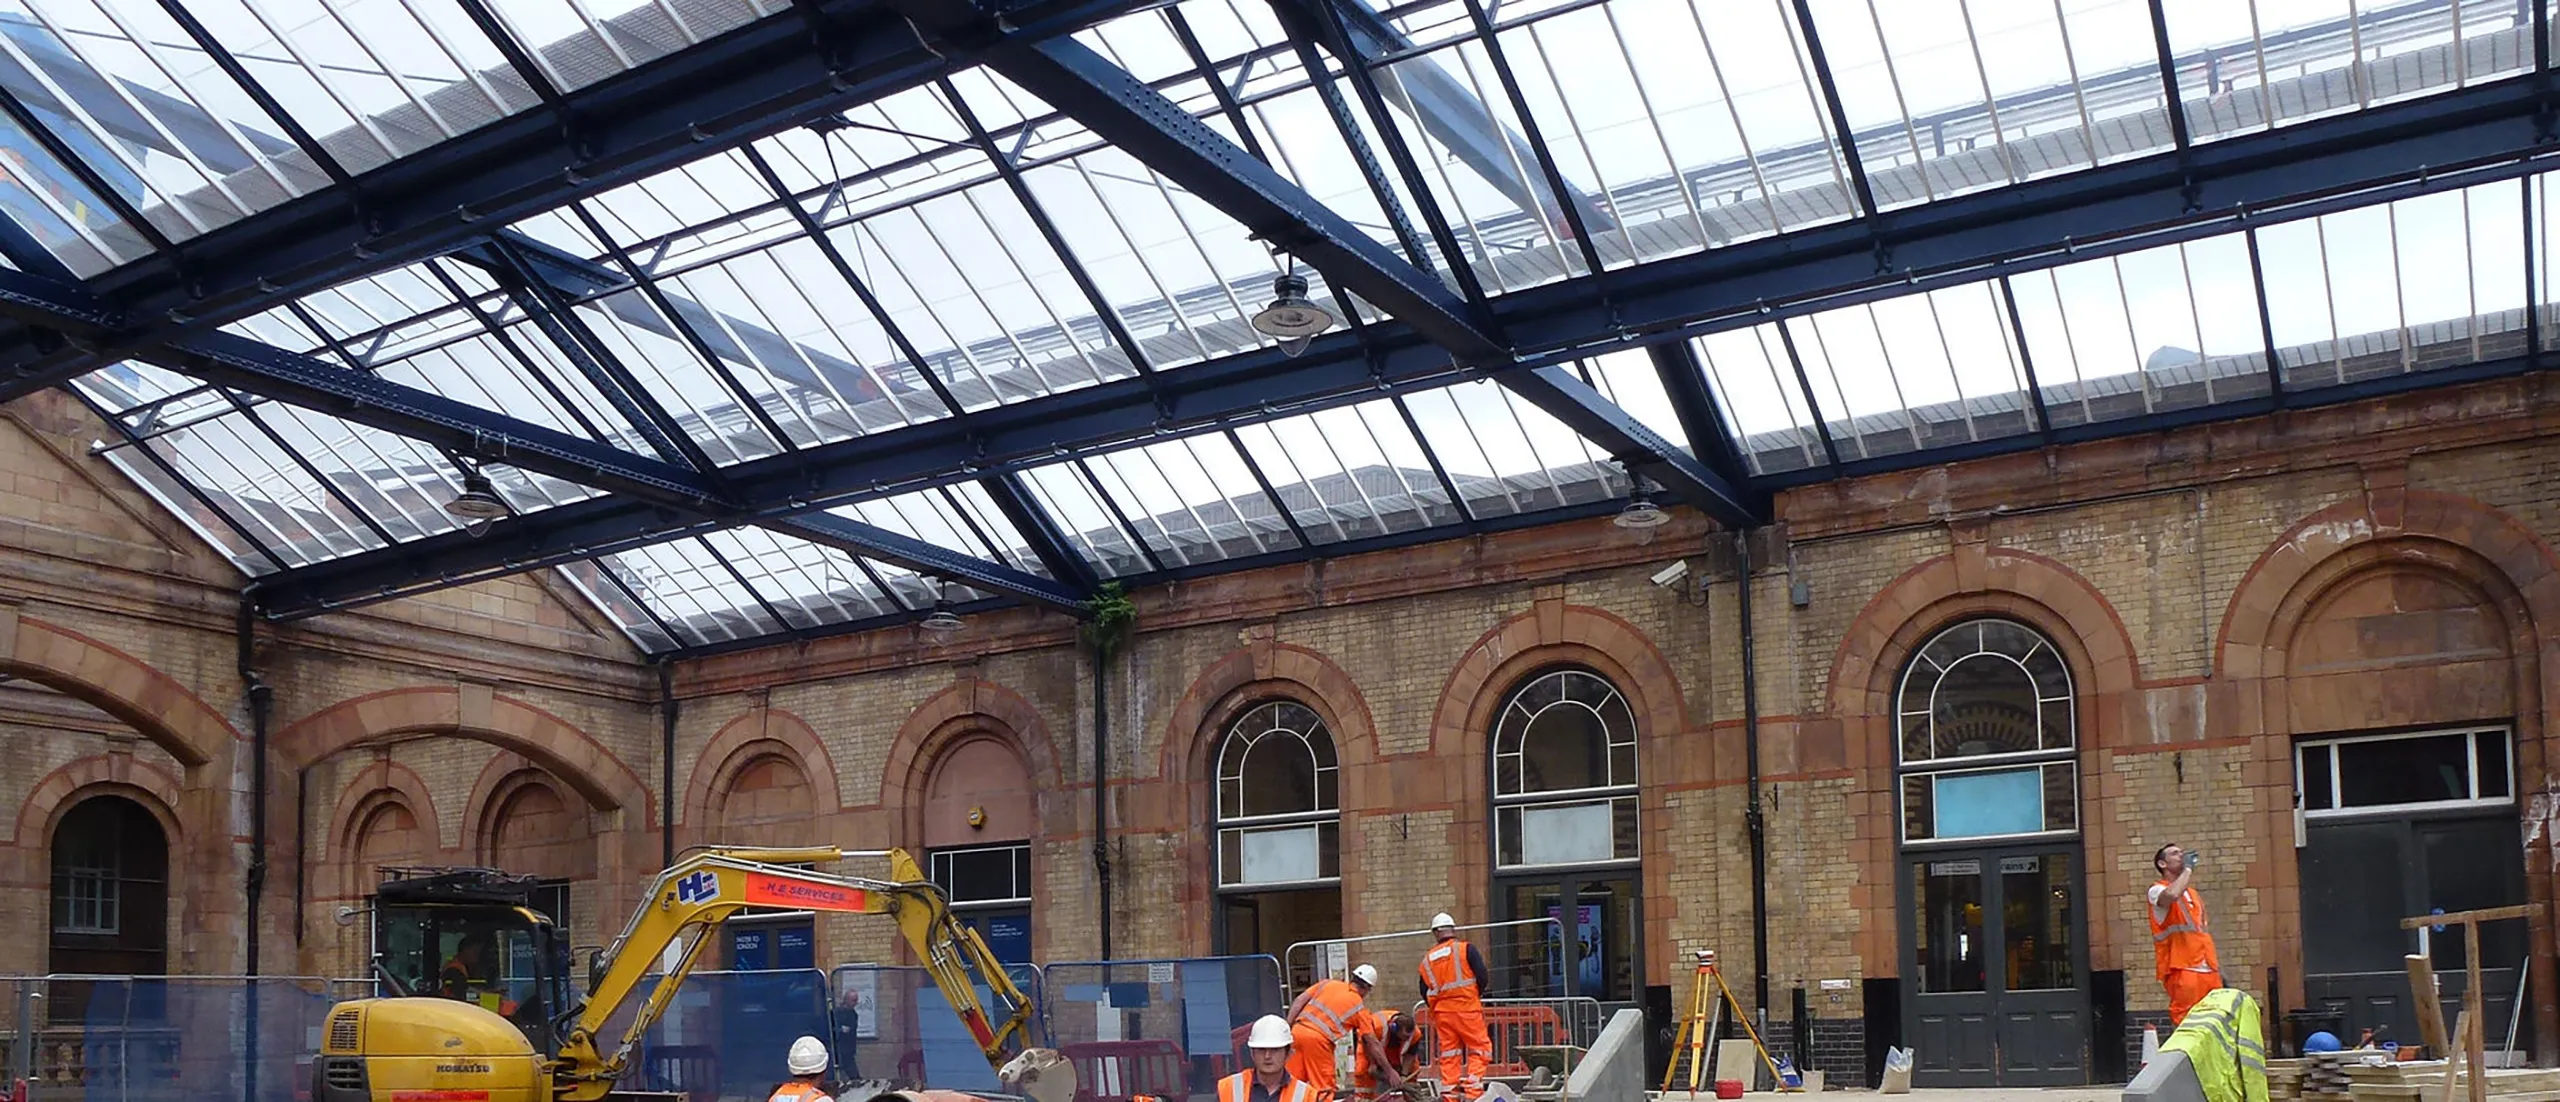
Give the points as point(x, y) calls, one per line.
point(971, 318)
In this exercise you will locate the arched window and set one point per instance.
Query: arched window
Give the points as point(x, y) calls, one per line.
point(1564, 772)
point(1278, 798)
point(1988, 736)
point(110, 890)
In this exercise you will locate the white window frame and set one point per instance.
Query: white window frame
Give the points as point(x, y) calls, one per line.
point(2471, 766)
point(1936, 766)
point(1527, 799)
point(1324, 814)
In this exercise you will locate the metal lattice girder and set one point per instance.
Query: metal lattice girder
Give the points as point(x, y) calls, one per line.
point(1442, 106)
point(757, 80)
point(1140, 121)
point(1556, 389)
point(898, 549)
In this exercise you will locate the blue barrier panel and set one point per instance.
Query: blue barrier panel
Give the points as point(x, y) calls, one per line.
point(178, 1038)
point(727, 1033)
point(893, 1024)
point(1161, 1027)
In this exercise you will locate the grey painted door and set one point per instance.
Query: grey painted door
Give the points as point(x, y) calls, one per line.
point(1994, 967)
point(2365, 876)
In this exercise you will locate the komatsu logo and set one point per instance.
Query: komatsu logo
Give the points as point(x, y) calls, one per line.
point(701, 887)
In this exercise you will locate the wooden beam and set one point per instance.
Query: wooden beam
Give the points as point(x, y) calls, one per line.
point(2428, 1006)
point(2465, 918)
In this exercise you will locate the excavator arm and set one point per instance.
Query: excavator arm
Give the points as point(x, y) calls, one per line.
point(694, 896)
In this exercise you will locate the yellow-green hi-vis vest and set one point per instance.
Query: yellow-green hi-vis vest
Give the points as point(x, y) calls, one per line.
point(2223, 1040)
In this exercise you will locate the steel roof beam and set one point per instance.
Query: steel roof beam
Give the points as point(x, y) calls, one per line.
point(230, 360)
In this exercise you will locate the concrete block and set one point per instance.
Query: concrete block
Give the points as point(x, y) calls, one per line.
point(1613, 1069)
point(2167, 1078)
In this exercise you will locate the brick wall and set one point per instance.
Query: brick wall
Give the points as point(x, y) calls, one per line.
point(2190, 579)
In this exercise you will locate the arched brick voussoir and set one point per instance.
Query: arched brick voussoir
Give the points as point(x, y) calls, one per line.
point(1264, 670)
point(752, 735)
point(546, 740)
point(154, 704)
point(2017, 583)
point(967, 705)
point(1553, 634)
point(122, 774)
point(356, 799)
point(2252, 619)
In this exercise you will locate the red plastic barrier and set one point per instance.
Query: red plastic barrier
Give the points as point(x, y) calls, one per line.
point(1128, 1068)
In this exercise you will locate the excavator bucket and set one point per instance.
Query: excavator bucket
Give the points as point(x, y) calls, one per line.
point(1039, 1074)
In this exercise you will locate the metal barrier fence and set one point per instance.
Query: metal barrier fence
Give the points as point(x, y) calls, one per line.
point(1167, 1028)
point(155, 1038)
point(1526, 957)
point(892, 1024)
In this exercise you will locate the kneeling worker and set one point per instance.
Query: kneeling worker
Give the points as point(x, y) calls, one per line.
point(1268, 1079)
point(808, 1061)
point(1401, 1037)
point(1331, 1021)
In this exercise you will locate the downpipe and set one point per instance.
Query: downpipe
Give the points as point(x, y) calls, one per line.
point(1101, 793)
point(261, 706)
point(1752, 817)
point(261, 698)
point(667, 763)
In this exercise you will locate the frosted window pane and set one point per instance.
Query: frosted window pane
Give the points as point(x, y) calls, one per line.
point(1569, 835)
point(1281, 856)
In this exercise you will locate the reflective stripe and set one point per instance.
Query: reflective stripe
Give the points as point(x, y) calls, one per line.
point(2162, 934)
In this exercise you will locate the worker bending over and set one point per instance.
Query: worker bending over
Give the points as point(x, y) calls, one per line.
point(1401, 1038)
point(1453, 981)
point(1267, 1079)
point(1330, 1021)
point(807, 1061)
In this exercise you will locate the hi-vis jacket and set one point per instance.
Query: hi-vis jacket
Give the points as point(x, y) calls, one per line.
point(2223, 1039)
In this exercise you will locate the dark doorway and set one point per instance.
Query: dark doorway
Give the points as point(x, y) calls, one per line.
point(110, 900)
point(2364, 877)
point(1994, 987)
point(1272, 921)
point(1594, 950)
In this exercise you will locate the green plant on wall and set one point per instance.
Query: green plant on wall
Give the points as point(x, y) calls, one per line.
point(1109, 618)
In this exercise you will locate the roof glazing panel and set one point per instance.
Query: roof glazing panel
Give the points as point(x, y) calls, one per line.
point(2255, 64)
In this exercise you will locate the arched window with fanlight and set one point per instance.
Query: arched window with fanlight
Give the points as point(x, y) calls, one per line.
point(1988, 736)
point(1564, 827)
point(1564, 773)
point(1279, 816)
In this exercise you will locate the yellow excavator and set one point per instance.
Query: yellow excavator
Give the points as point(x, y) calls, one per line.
point(495, 1021)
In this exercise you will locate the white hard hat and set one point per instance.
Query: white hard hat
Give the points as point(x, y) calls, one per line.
point(1442, 921)
point(808, 1056)
point(1366, 973)
point(1269, 1032)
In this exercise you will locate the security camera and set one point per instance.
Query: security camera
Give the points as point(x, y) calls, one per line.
point(1671, 575)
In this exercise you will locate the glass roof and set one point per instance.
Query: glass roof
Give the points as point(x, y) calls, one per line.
point(962, 247)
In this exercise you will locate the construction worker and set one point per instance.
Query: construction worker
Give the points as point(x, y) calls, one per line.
point(1453, 982)
point(1331, 1021)
point(1401, 1039)
point(1267, 1048)
point(467, 968)
point(2182, 950)
point(806, 1062)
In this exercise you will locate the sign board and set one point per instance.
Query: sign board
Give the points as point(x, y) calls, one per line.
point(1160, 972)
point(1835, 985)
point(2020, 864)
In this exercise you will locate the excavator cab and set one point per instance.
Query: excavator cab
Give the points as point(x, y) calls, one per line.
point(472, 935)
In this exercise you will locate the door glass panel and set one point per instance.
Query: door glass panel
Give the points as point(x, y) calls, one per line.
point(2384, 772)
point(2474, 864)
point(1947, 916)
point(2036, 897)
point(1531, 961)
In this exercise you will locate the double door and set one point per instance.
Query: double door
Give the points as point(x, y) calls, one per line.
point(1994, 966)
point(2363, 877)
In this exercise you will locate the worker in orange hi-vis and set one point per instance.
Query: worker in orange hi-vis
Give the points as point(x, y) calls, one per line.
point(1329, 1021)
point(1453, 982)
point(1401, 1037)
point(2182, 949)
